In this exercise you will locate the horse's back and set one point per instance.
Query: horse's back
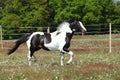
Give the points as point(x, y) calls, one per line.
point(31, 37)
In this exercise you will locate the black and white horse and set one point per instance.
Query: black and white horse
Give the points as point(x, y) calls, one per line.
point(58, 40)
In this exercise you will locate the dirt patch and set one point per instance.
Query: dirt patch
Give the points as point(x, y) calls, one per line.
point(86, 70)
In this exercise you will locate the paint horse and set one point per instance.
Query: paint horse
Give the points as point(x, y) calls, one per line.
point(58, 40)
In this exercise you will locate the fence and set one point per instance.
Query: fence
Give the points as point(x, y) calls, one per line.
point(91, 31)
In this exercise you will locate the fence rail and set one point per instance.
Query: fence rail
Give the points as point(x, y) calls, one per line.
point(86, 42)
point(102, 31)
point(91, 29)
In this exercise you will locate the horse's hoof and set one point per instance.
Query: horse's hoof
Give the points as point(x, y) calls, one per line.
point(68, 63)
point(62, 64)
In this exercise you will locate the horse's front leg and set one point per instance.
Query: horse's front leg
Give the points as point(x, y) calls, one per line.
point(70, 53)
point(71, 57)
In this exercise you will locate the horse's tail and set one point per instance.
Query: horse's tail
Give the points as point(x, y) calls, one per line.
point(18, 43)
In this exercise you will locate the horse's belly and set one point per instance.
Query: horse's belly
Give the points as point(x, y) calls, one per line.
point(56, 43)
point(52, 46)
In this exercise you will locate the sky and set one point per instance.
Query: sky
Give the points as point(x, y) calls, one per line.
point(116, 0)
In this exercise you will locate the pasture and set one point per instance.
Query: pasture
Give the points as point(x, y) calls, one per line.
point(92, 61)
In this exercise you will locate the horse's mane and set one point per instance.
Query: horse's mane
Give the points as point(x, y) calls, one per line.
point(64, 26)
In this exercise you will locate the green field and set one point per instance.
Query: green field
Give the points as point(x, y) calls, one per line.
point(92, 61)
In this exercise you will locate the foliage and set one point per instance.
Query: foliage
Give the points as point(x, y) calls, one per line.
point(22, 13)
point(117, 13)
point(88, 11)
point(35, 13)
point(25, 13)
point(65, 9)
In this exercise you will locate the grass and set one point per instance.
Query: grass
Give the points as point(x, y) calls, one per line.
point(88, 64)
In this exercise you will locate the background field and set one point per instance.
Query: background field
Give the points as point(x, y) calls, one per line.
point(92, 61)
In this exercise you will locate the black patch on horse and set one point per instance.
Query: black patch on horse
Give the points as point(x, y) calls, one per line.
point(67, 39)
point(47, 37)
point(57, 33)
point(37, 42)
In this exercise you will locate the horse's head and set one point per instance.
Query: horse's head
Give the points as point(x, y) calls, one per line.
point(76, 25)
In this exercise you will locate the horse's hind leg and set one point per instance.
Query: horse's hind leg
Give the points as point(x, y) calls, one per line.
point(30, 54)
point(35, 58)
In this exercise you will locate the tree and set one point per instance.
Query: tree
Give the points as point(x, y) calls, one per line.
point(108, 7)
point(98, 11)
point(27, 13)
point(92, 11)
point(33, 13)
point(116, 18)
point(23, 13)
point(88, 11)
point(65, 9)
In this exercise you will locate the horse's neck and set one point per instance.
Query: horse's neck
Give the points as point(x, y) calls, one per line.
point(63, 28)
point(54, 33)
point(66, 29)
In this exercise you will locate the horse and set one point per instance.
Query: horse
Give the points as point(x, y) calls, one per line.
point(58, 40)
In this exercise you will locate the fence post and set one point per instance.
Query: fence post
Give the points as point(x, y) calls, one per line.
point(82, 33)
point(110, 43)
point(48, 29)
point(1, 37)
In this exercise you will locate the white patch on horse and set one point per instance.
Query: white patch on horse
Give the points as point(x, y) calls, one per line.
point(82, 26)
point(57, 42)
point(64, 27)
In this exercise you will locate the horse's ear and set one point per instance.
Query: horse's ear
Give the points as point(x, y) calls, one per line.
point(77, 19)
point(71, 20)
